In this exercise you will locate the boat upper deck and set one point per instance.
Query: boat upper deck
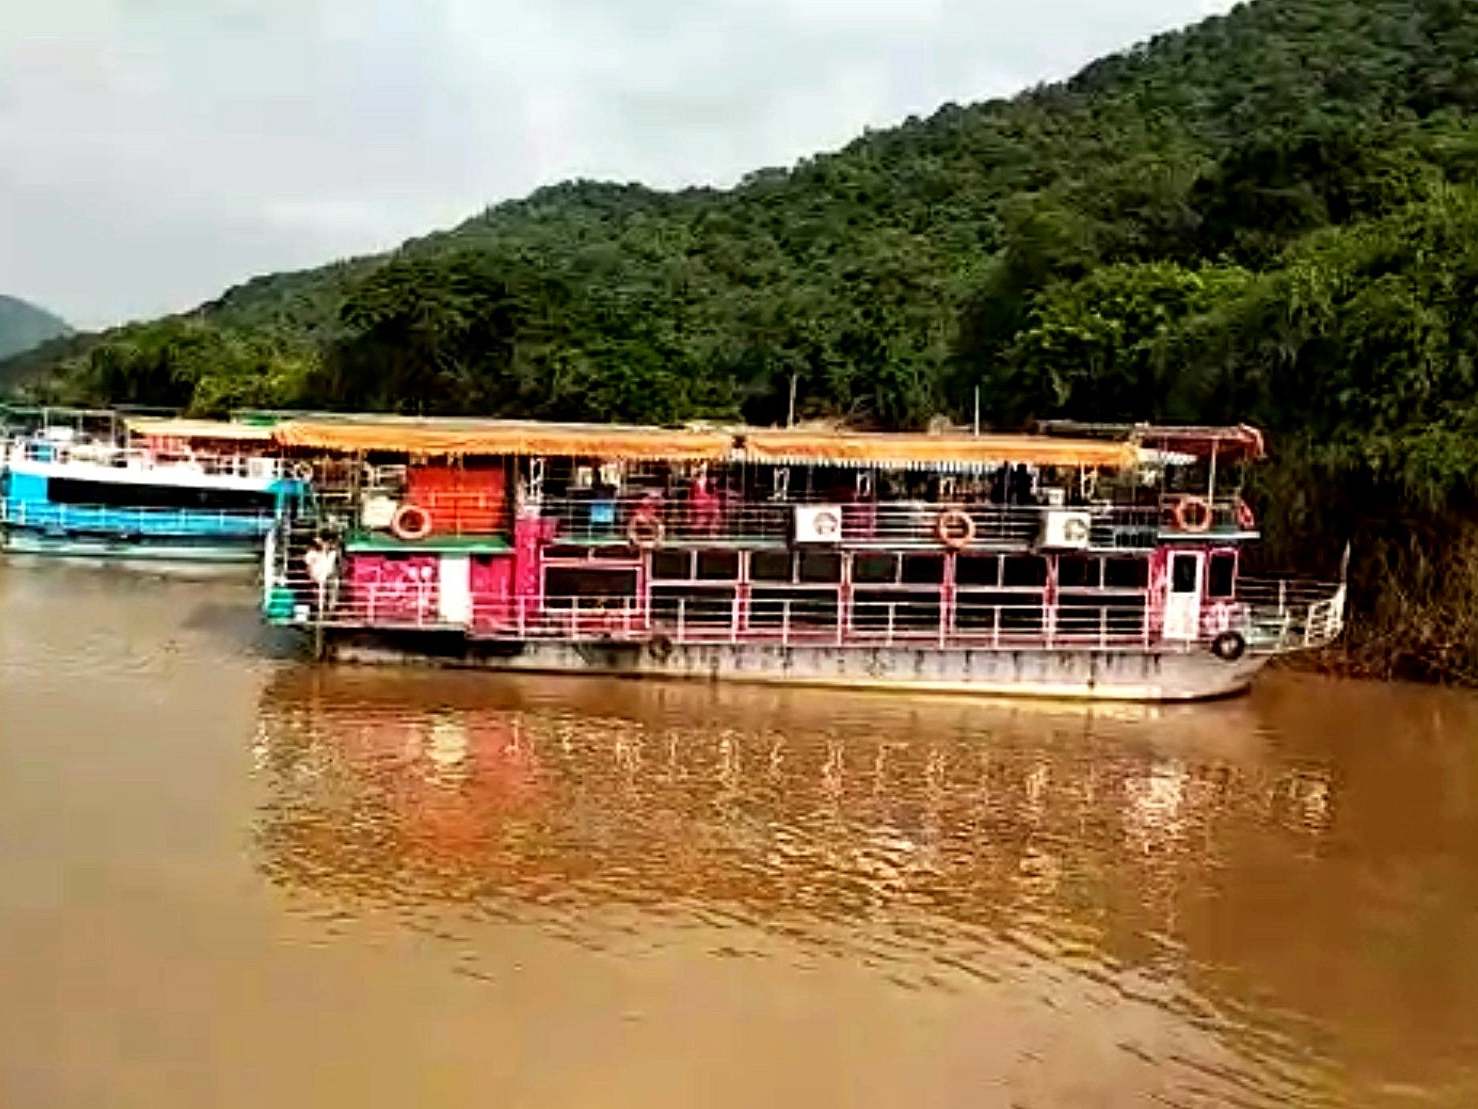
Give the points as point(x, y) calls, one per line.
point(1103, 488)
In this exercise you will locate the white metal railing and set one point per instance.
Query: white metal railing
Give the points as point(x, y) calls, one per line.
point(1288, 614)
point(110, 456)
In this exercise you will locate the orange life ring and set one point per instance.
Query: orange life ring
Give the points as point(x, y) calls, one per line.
point(645, 531)
point(955, 528)
point(411, 522)
point(1245, 519)
point(1192, 514)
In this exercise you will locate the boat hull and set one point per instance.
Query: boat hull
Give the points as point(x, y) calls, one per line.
point(213, 551)
point(1119, 675)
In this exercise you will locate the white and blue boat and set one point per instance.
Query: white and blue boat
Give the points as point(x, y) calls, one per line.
point(168, 489)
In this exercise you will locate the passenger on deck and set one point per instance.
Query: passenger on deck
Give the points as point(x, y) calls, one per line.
point(703, 507)
point(1021, 485)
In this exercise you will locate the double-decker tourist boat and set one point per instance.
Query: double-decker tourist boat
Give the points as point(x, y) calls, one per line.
point(1081, 562)
point(101, 484)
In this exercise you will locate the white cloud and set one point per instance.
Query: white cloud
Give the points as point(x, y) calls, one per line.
point(156, 151)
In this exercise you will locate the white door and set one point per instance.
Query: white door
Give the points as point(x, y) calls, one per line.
point(454, 598)
point(1183, 587)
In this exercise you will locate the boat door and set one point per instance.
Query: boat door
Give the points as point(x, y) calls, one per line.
point(1184, 585)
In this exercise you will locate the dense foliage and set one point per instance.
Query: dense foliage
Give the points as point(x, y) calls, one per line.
point(24, 326)
point(1269, 217)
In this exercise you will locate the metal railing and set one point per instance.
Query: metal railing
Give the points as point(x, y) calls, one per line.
point(1304, 616)
point(884, 524)
point(109, 456)
point(107, 520)
point(1287, 614)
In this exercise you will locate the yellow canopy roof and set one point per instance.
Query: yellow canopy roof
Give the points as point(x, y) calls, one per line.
point(433, 436)
point(946, 451)
point(198, 429)
point(505, 437)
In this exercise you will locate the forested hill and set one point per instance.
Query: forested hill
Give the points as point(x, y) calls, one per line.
point(1271, 217)
point(23, 326)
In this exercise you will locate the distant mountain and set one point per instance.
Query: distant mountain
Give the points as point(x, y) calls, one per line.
point(23, 326)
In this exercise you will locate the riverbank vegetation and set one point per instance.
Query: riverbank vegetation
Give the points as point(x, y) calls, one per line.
point(1271, 217)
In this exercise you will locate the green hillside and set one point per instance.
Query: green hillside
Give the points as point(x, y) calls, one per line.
point(24, 326)
point(1271, 217)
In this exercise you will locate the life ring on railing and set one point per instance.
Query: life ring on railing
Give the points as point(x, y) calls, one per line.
point(1229, 646)
point(659, 647)
point(955, 528)
point(645, 531)
point(410, 522)
point(1192, 514)
point(1245, 518)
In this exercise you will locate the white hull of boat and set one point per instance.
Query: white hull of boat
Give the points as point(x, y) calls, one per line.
point(1154, 675)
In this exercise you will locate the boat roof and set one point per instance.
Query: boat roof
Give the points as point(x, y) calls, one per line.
point(778, 446)
point(455, 436)
point(174, 428)
point(1225, 442)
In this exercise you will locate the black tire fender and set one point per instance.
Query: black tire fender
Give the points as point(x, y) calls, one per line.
point(1229, 646)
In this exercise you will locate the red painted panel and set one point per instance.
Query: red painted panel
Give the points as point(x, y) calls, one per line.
point(492, 591)
point(461, 500)
point(393, 588)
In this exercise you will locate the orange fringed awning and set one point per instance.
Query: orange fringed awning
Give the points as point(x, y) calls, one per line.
point(448, 437)
point(964, 452)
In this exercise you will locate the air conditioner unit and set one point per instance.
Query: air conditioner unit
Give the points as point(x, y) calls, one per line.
point(1065, 531)
point(818, 523)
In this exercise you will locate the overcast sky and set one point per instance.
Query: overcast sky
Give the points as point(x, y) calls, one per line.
point(153, 152)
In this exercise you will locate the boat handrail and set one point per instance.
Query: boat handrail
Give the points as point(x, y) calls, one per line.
point(95, 454)
point(407, 594)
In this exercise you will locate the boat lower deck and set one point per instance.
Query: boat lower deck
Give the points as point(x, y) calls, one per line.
point(1126, 675)
point(25, 541)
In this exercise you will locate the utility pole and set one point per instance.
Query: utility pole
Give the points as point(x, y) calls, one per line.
point(977, 410)
point(790, 418)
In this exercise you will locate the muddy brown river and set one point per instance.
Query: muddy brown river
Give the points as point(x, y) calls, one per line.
point(231, 878)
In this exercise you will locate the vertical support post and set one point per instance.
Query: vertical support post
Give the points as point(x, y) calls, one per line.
point(785, 622)
point(318, 624)
point(682, 619)
point(892, 616)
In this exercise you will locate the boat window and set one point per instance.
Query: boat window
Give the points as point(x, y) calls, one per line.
point(1126, 573)
point(1183, 573)
point(923, 569)
point(130, 495)
point(1221, 574)
point(978, 569)
point(820, 566)
point(670, 565)
point(770, 566)
point(718, 565)
point(693, 606)
point(1024, 572)
point(562, 583)
point(874, 569)
point(796, 608)
point(1079, 572)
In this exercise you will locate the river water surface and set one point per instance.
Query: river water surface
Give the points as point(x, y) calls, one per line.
point(229, 878)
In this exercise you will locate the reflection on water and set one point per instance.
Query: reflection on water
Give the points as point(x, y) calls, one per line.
point(1195, 860)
